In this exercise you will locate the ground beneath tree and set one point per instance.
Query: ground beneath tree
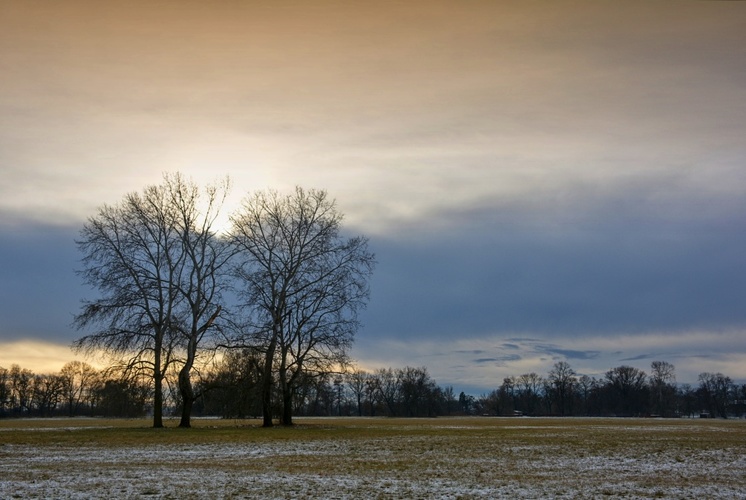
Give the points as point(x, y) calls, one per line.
point(382, 458)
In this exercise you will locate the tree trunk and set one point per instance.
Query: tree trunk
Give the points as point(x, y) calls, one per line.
point(287, 407)
point(267, 383)
point(185, 381)
point(158, 402)
point(158, 380)
point(287, 385)
point(185, 384)
point(287, 398)
point(187, 396)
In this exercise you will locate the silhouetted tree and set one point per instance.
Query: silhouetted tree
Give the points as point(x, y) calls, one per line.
point(4, 391)
point(466, 403)
point(123, 397)
point(562, 380)
point(528, 387)
point(715, 389)
point(357, 382)
point(629, 390)
point(506, 396)
point(231, 389)
point(21, 389)
point(449, 400)
point(686, 398)
point(46, 394)
point(417, 392)
point(133, 254)
point(317, 394)
point(77, 382)
point(585, 389)
point(386, 388)
point(203, 276)
point(155, 261)
point(487, 404)
point(302, 284)
point(663, 388)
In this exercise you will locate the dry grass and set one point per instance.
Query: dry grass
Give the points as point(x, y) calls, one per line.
point(375, 458)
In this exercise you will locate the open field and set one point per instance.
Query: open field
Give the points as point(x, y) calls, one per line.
point(375, 458)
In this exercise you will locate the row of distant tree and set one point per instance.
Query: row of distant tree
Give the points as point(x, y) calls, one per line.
point(411, 392)
point(232, 388)
point(77, 390)
point(622, 391)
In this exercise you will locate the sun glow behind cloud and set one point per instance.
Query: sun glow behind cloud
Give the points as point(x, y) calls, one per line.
point(539, 165)
point(39, 357)
point(495, 102)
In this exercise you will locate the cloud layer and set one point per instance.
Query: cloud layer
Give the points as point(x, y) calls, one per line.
point(525, 170)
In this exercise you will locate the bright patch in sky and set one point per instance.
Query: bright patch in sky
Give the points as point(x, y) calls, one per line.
point(550, 170)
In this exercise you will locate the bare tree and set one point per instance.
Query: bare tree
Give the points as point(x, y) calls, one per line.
point(715, 389)
point(418, 393)
point(529, 392)
point(508, 395)
point(302, 284)
point(466, 403)
point(563, 380)
point(230, 388)
point(132, 254)
point(203, 274)
point(662, 384)
point(77, 381)
point(586, 387)
point(123, 393)
point(153, 259)
point(47, 393)
point(449, 400)
point(357, 382)
point(4, 390)
point(386, 387)
point(628, 388)
point(21, 388)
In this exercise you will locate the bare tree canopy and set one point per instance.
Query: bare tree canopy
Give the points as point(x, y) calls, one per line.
point(563, 380)
point(78, 379)
point(204, 274)
point(302, 285)
point(155, 262)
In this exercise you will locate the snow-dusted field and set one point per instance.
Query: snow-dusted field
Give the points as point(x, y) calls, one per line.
point(379, 458)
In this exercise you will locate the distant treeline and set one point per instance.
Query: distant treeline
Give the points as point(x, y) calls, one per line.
point(231, 389)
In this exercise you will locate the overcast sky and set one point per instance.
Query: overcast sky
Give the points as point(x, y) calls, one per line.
point(540, 180)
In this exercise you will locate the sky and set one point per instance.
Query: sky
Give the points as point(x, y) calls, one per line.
point(540, 181)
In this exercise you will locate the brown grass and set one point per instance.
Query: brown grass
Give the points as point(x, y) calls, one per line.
point(364, 457)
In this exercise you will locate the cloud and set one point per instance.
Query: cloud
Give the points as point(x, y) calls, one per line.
point(641, 357)
point(40, 292)
point(511, 286)
point(529, 175)
point(601, 270)
point(38, 356)
point(449, 363)
point(491, 102)
point(498, 361)
point(569, 353)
